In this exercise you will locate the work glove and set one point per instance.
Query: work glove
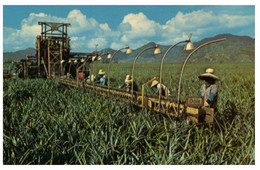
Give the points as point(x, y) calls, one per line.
point(206, 104)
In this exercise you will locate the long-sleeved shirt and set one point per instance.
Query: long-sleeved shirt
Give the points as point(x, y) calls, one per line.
point(210, 93)
point(163, 89)
point(102, 80)
point(129, 86)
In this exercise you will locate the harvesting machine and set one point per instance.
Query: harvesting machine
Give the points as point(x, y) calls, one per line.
point(54, 60)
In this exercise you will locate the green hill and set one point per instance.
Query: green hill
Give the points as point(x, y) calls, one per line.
point(234, 49)
point(18, 55)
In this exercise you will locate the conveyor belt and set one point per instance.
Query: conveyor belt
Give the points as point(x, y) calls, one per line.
point(168, 104)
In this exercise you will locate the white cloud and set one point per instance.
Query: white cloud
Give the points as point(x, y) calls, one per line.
point(137, 44)
point(78, 38)
point(124, 38)
point(232, 21)
point(30, 28)
point(140, 26)
point(29, 31)
point(78, 43)
point(133, 45)
point(104, 27)
point(116, 45)
point(189, 22)
point(135, 30)
point(102, 42)
point(201, 23)
point(19, 39)
point(79, 22)
point(38, 15)
point(105, 32)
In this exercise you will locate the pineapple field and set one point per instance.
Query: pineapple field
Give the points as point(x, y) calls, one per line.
point(46, 122)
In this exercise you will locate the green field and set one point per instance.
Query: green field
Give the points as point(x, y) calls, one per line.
point(46, 122)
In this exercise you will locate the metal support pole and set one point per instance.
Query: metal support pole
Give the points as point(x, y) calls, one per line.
point(42, 31)
point(93, 74)
point(77, 77)
point(109, 66)
point(184, 64)
point(63, 71)
point(96, 48)
point(45, 32)
point(143, 85)
point(61, 49)
point(133, 69)
point(54, 65)
point(39, 57)
point(78, 69)
point(72, 63)
point(161, 70)
point(44, 66)
point(49, 60)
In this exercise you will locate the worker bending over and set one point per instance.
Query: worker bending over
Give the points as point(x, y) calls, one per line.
point(128, 84)
point(156, 84)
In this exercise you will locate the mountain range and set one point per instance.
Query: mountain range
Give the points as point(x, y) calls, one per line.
point(18, 55)
point(234, 49)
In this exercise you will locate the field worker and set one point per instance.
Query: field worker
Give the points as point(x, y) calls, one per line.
point(90, 78)
point(128, 84)
point(69, 76)
point(156, 84)
point(102, 77)
point(81, 75)
point(209, 90)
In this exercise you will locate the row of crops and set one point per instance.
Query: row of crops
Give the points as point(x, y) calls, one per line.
point(46, 122)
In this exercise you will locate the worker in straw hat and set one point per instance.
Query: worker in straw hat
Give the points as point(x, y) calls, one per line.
point(102, 77)
point(128, 84)
point(156, 84)
point(209, 89)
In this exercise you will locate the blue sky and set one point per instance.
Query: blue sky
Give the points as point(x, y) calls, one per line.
point(117, 26)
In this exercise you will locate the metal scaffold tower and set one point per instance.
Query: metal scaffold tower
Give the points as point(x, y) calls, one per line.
point(52, 46)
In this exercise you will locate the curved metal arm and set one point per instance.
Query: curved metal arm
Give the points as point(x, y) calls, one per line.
point(93, 67)
point(60, 68)
point(161, 69)
point(93, 74)
point(83, 64)
point(78, 69)
point(71, 64)
point(185, 62)
point(64, 69)
point(133, 69)
point(109, 66)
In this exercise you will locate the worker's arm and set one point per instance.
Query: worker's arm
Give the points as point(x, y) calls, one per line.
point(122, 86)
point(202, 88)
point(213, 92)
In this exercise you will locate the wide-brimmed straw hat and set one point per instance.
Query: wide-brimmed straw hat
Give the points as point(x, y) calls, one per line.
point(101, 72)
point(154, 83)
point(209, 73)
